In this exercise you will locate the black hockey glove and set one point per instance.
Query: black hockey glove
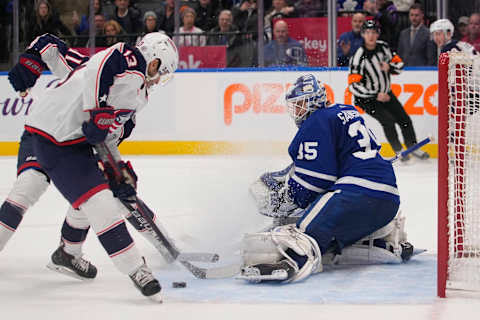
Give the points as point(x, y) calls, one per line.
point(126, 188)
point(26, 72)
point(97, 128)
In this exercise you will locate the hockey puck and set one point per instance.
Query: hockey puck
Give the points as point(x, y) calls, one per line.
point(180, 284)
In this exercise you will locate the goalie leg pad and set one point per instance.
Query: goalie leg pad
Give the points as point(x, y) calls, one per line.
point(105, 215)
point(386, 245)
point(267, 250)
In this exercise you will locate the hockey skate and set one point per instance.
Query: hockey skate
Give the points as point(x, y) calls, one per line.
point(407, 251)
point(279, 271)
point(422, 155)
point(75, 267)
point(146, 283)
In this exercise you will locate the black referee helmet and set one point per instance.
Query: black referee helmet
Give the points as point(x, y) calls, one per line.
point(370, 24)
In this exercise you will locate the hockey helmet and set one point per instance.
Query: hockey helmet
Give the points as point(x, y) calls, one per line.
point(156, 45)
point(442, 25)
point(304, 97)
point(370, 24)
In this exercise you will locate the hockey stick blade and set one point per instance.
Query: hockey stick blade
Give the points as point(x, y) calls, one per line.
point(227, 271)
point(413, 148)
point(198, 256)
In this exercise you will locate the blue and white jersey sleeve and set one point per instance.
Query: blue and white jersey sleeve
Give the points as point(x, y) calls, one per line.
point(314, 155)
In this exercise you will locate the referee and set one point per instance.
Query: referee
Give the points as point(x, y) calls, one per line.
point(369, 81)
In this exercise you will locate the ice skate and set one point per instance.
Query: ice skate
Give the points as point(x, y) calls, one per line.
point(279, 271)
point(407, 251)
point(75, 267)
point(422, 155)
point(406, 160)
point(146, 283)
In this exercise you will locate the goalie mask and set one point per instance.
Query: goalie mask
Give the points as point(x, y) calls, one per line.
point(156, 45)
point(304, 97)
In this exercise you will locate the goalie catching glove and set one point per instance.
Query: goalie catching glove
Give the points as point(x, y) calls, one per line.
point(271, 194)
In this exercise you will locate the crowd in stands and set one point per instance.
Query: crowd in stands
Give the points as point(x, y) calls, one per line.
point(234, 24)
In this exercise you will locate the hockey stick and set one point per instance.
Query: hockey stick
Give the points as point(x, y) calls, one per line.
point(143, 216)
point(413, 148)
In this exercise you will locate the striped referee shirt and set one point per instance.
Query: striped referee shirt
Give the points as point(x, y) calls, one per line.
point(366, 78)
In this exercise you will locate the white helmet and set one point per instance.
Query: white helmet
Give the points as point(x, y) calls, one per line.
point(156, 45)
point(442, 25)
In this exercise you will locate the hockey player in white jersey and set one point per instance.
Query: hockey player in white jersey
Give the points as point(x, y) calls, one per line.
point(87, 108)
point(345, 191)
point(32, 181)
point(442, 33)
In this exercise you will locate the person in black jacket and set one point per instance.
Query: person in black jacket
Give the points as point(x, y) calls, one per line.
point(44, 21)
point(369, 82)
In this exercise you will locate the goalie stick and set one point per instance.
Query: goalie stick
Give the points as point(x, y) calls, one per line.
point(142, 213)
point(413, 148)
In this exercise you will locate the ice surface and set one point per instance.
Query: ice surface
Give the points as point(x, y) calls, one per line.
point(203, 202)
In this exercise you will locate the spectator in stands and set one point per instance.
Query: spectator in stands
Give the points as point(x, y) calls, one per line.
point(45, 21)
point(81, 24)
point(311, 8)
point(350, 41)
point(99, 21)
point(128, 17)
point(206, 15)
point(403, 13)
point(113, 31)
point(225, 25)
point(386, 18)
point(283, 50)
point(415, 46)
point(462, 28)
point(229, 39)
point(188, 18)
point(279, 9)
point(473, 31)
point(149, 24)
point(165, 14)
point(245, 16)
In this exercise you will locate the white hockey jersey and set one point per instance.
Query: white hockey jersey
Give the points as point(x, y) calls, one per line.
point(114, 77)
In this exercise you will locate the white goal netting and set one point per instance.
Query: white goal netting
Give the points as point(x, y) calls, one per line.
point(464, 172)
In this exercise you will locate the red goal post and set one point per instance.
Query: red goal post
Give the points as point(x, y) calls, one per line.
point(458, 173)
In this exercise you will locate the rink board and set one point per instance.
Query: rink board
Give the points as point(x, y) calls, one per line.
point(232, 112)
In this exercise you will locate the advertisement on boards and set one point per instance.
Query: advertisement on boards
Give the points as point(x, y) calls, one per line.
point(237, 106)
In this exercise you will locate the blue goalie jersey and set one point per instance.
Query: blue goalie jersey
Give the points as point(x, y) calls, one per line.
point(334, 150)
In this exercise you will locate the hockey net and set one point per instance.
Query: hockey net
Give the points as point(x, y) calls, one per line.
point(459, 173)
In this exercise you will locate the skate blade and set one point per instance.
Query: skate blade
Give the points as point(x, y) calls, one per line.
point(66, 271)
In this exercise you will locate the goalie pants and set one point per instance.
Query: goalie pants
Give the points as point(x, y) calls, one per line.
point(341, 218)
point(388, 114)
